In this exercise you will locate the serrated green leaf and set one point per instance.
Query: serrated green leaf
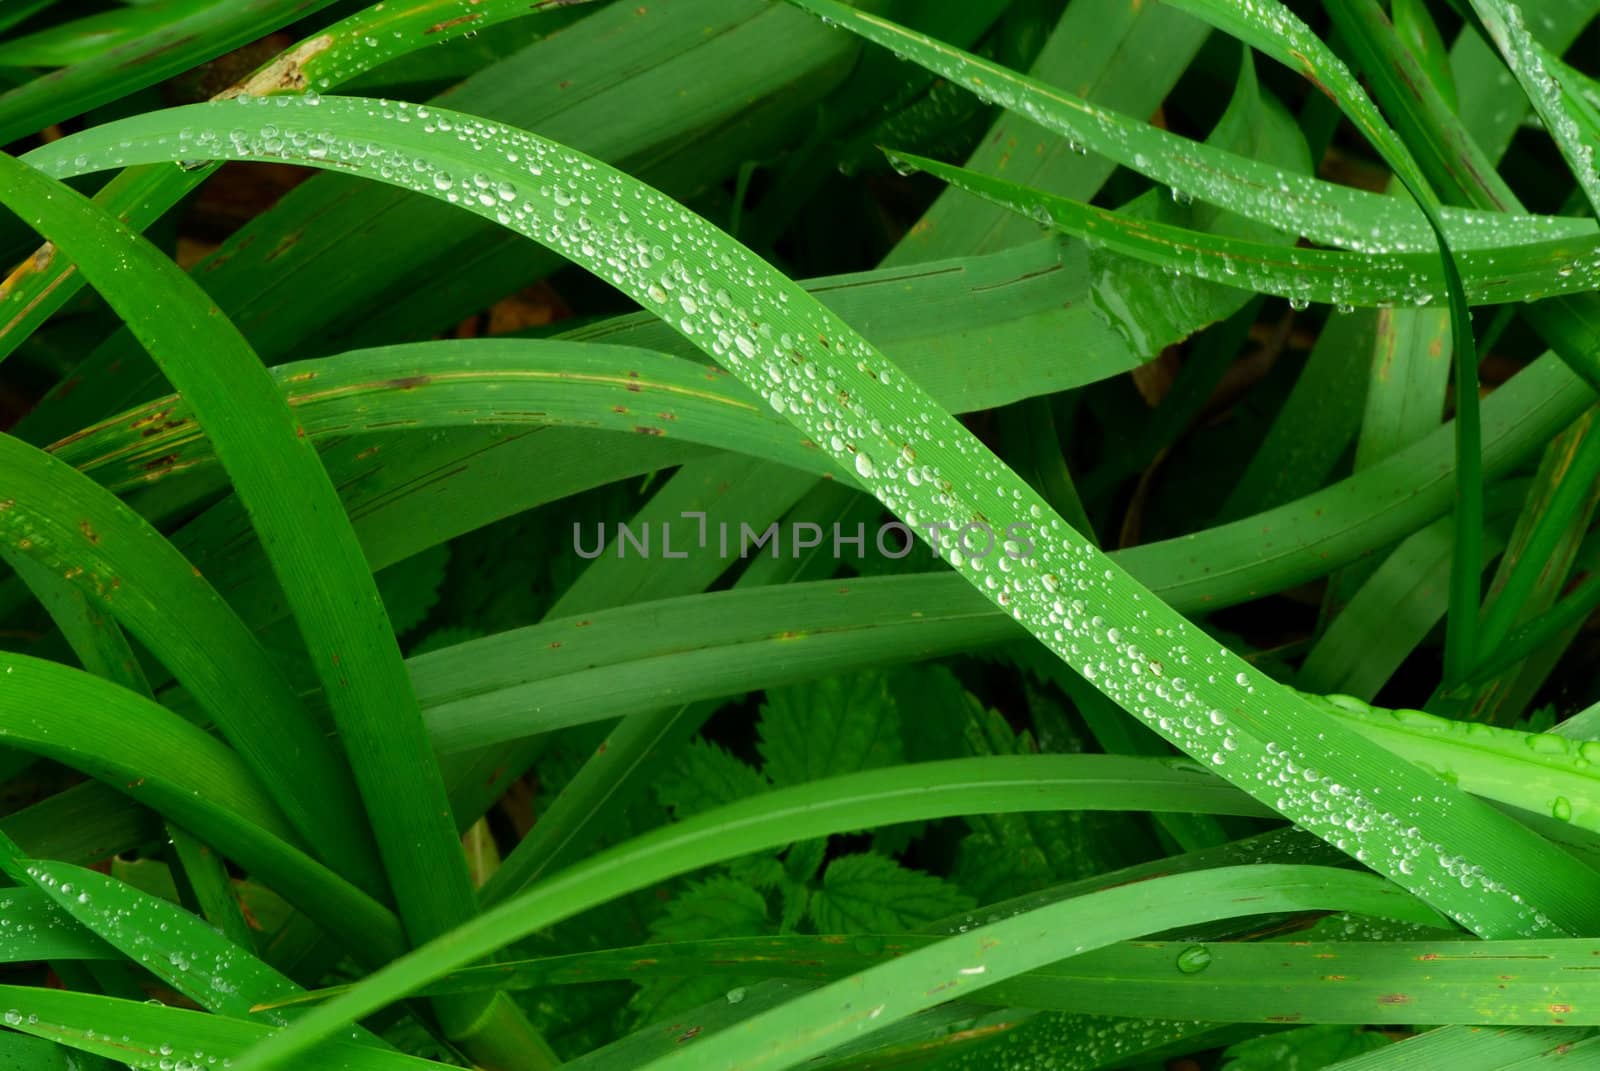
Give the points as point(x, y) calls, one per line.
point(411, 588)
point(869, 893)
point(705, 776)
point(716, 907)
point(830, 726)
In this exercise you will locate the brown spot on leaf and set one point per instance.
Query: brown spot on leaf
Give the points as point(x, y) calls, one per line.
point(286, 73)
point(440, 27)
point(286, 243)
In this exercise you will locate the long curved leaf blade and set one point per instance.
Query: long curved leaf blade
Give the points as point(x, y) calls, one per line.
point(68, 524)
point(209, 31)
point(36, 929)
point(1536, 983)
point(155, 757)
point(913, 456)
point(1570, 119)
point(1526, 273)
point(350, 47)
point(172, 944)
point(918, 460)
point(307, 536)
point(155, 1037)
point(466, 383)
point(881, 995)
point(1318, 210)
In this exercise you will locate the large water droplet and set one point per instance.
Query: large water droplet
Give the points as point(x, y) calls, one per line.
point(1194, 959)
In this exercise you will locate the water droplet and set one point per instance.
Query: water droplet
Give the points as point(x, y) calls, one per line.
point(1194, 959)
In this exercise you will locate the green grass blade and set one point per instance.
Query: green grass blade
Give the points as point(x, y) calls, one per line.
point(1565, 504)
point(23, 1053)
point(208, 885)
point(1542, 632)
point(1570, 119)
point(380, 34)
point(172, 944)
point(209, 31)
point(84, 824)
point(145, 1036)
point(37, 929)
point(1406, 393)
point(1276, 31)
point(1525, 1049)
point(72, 527)
point(479, 693)
point(880, 996)
point(362, 42)
point(1544, 773)
point(728, 55)
point(1313, 427)
point(314, 552)
point(1393, 611)
point(70, 42)
point(635, 865)
point(1217, 567)
point(907, 441)
point(904, 418)
point(469, 383)
point(175, 946)
point(104, 651)
point(155, 757)
point(624, 763)
point(1421, 34)
point(1321, 211)
point(1536, 983)
point(591, 666)
point(1127, 57)
point(1336, 277)
point(301, 523)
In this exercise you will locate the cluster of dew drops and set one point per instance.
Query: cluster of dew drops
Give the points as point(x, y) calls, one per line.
point(850, 400)
point(168, 951)
point(1282, 198)
point(1517, 44)
point(1343, 279)
point(167, 1057)
point(1287, 200)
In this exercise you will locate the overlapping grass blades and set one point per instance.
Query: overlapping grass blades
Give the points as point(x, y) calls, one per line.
point(918, 462)
point(427, 442)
